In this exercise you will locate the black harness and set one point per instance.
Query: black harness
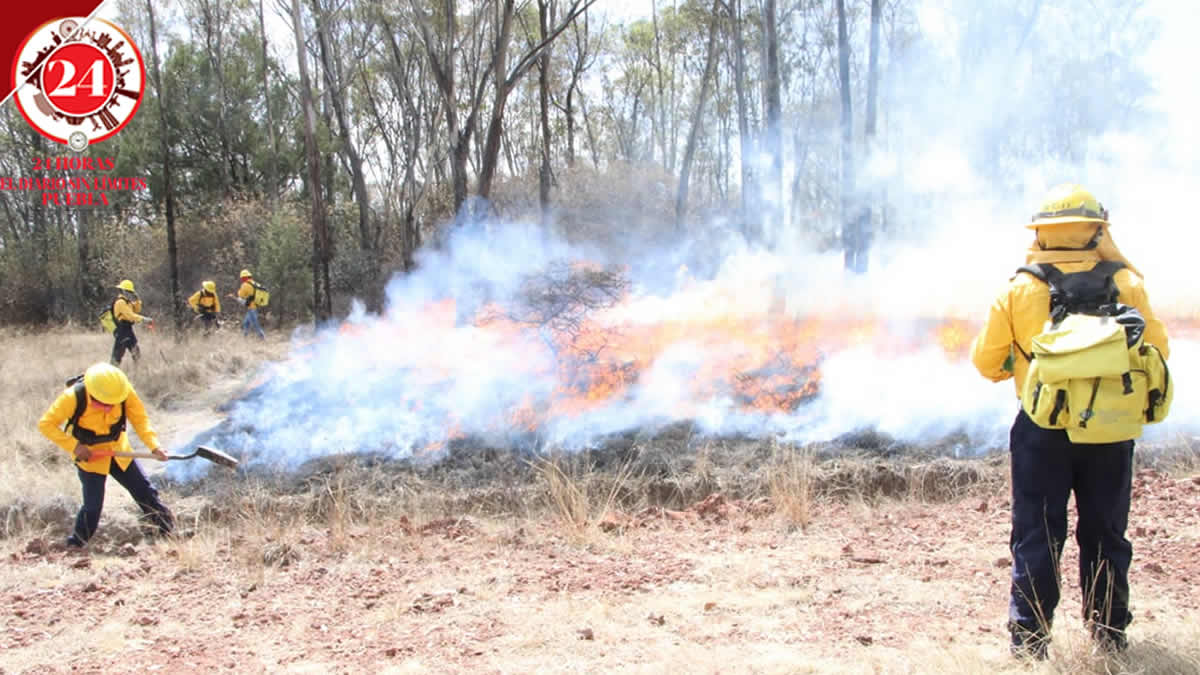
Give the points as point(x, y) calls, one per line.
point(1088, 292)
point(1083, 292)
point(87, 436)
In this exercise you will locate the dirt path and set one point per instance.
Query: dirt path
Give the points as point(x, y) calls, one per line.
point(722, 587)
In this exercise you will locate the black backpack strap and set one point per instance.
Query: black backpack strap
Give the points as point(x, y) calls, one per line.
point(1034, 270)
point(1044, 272)
point(87, 436)
point(80, 404)
point(1028, 357)
point(1108, 268)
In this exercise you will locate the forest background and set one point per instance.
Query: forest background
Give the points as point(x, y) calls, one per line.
point(326, 143)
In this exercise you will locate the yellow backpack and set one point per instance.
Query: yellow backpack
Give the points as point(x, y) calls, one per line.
point(108, 318)
point(262, 297)
point(107, 322)
point(1090, 372)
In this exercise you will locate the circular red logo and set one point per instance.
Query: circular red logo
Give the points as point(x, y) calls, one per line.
point(78, 83)
point(78, 79)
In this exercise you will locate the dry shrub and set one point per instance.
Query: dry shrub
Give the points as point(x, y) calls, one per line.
point(861, 480)
point(577, 495)
point(1178, 456)
point(945, 480)
point(566, 494)
point(269, 529)
point(790, 485)
point(26, 514)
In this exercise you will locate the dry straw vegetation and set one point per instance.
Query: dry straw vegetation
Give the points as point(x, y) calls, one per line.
point(658, 553)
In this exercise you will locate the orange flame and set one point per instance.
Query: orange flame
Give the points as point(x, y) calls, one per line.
point(755, 356)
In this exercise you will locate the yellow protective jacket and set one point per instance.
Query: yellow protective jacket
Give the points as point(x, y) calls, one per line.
point(205, 303)
point(93, 418)
point(1022, 308)
point(246, 295)
point(128, 310)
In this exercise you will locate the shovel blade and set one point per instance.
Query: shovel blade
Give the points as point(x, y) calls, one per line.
point(216, 456)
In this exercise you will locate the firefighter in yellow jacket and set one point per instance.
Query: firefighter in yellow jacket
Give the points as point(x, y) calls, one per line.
point(88, 422)
point(1071, 233)
point(207, 305)
point(126, 311)
point(245, 295)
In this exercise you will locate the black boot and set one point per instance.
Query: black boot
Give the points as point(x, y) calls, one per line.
point(1109, 639)
point(1029, 643)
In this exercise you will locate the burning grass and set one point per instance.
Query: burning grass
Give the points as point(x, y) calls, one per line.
point(673, 467)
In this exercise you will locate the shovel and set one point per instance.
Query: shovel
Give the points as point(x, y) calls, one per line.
point(203, 451)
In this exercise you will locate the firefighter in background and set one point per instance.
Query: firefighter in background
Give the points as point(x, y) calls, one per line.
point(245, 295)
point(1071, 232)
point(126, 311)
point(87, 421)
point(207, 306)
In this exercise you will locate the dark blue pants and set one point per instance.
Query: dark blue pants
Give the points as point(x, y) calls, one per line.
point(134, 481)
point(1046, 467)
point(124, 339)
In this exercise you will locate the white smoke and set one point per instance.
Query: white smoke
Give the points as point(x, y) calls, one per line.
point(957, 195)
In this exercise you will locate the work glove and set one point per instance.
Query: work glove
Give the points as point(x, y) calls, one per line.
point(82, 453)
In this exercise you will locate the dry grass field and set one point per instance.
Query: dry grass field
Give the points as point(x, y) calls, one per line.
point(697, 556)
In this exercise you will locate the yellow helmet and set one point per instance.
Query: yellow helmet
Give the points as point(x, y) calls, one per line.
point(106, 383)
point(244, 274)
point(126, 285)
point(209, 286)
point(1069, 203)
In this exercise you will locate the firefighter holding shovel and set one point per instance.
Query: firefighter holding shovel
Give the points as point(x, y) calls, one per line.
point(88, 421)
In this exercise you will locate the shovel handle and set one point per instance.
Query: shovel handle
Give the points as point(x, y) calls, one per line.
point(133, 455)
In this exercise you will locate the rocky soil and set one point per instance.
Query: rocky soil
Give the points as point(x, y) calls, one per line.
point(723, 585)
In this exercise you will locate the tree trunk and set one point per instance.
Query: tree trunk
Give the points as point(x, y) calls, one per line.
point(660, 97)
point(591, 134)
point(491, 147)
point(745, 151)
point(864, 224)
point(774, 136)
point(569, 114)
point(851, 219)
point(545, 17)
point(164, 134)
point(579, 65)
point(214, 44)
point(710, 62)
point(322, 306)
point(507, 80)
point(334, 85)
point(873, 71)
point(442, 63)
point(272, 178)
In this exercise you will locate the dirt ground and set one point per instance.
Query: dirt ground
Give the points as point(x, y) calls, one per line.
point(724, 586)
